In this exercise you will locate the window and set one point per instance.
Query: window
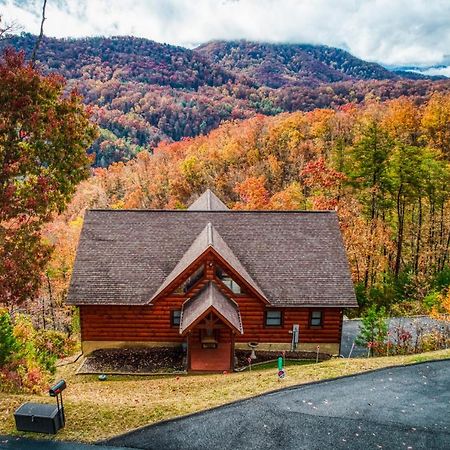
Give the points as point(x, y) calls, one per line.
point(176, 317)
point(196, 276)
point(273, 318)
point(315, 319)
point(228, 281)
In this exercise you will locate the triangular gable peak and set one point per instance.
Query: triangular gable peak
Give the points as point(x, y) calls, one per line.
point(210, 299)
point(209, 240)
point(208, 201)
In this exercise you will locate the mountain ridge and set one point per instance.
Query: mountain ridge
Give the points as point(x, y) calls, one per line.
point(314, 63)
point(142, 92)
point(296, 62)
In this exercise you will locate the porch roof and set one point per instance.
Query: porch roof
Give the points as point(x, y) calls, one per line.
point(210, 298)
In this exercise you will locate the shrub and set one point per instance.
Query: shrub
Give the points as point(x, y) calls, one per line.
point(441, 310)
point(8, 342)
point(431, 300)
point(373, 329)
point(407, 308)
point(55, 342)
point(28, 356)
point(402, 342)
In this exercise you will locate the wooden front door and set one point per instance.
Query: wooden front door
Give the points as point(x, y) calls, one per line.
point(210, 346)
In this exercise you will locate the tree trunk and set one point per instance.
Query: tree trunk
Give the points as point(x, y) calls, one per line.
point(400, 228)
point(418, 240)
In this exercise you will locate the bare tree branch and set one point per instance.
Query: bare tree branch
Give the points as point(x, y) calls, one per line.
point(8, 28)
point(39, 38)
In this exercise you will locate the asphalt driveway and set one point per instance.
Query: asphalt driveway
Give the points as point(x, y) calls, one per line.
point(395, 408)
point(21, 443)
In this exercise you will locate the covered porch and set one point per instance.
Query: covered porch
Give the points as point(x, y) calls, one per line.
point(210, 321)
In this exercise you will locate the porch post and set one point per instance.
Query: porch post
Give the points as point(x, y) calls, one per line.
point(189, 351)
point(232, 351)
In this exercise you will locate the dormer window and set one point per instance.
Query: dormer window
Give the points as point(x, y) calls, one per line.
point(226, 279)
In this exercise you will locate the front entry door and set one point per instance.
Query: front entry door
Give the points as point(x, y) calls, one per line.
point(210, 346)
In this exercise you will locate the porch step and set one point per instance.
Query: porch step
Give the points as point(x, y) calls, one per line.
point(210, 359)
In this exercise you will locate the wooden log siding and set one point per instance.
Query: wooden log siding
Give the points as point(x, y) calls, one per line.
point(153, 323)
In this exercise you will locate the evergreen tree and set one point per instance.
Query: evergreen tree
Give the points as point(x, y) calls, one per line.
point(373, 330)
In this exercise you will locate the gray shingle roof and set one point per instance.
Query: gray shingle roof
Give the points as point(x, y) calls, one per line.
point(210, 297)
point(296, 258)
point(208, 238)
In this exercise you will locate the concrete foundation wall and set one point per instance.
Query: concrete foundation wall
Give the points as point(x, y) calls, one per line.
point(325, 347)
point(90, 346)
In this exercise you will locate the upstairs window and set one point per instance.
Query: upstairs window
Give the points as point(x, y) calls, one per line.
point(186, 286)
point(273, 318)
point(228, 281)
point(315, 319)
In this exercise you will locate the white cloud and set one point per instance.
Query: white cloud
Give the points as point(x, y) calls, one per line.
point(439, 71)
point(394, 32)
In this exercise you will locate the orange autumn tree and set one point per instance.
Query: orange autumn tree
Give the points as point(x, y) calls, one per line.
point(442, 310)
point(253, 194)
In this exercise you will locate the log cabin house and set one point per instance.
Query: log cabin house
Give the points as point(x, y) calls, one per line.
point(214, 279)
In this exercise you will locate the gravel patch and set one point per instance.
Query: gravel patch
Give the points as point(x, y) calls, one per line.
point(350, 330)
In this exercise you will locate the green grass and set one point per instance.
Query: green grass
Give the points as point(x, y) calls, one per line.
point(97, 410)
point(273, 365)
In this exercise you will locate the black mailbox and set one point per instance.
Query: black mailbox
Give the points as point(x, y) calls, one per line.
point(42, 418)
point(57, 388)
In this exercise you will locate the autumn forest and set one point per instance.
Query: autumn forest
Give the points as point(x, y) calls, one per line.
point(264, 126)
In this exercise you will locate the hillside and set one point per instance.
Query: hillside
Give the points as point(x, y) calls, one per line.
point(143, 92)
point(277, 65)
point(126, 59)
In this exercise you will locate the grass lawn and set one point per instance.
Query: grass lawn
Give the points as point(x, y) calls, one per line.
point(274, 364)
point(96, 410)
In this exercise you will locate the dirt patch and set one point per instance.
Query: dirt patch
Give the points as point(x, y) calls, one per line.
point(263, 356)
point(134, 360)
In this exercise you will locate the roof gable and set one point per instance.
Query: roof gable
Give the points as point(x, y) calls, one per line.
point(210, 298)
point(209, 239)
point(208, 201)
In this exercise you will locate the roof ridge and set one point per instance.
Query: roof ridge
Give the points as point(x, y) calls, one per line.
point(227, 211)
point(216, 242)
point(208, 199)
point(209, 234)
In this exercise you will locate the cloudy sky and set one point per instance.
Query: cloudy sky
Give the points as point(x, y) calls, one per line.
point(391, 32)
